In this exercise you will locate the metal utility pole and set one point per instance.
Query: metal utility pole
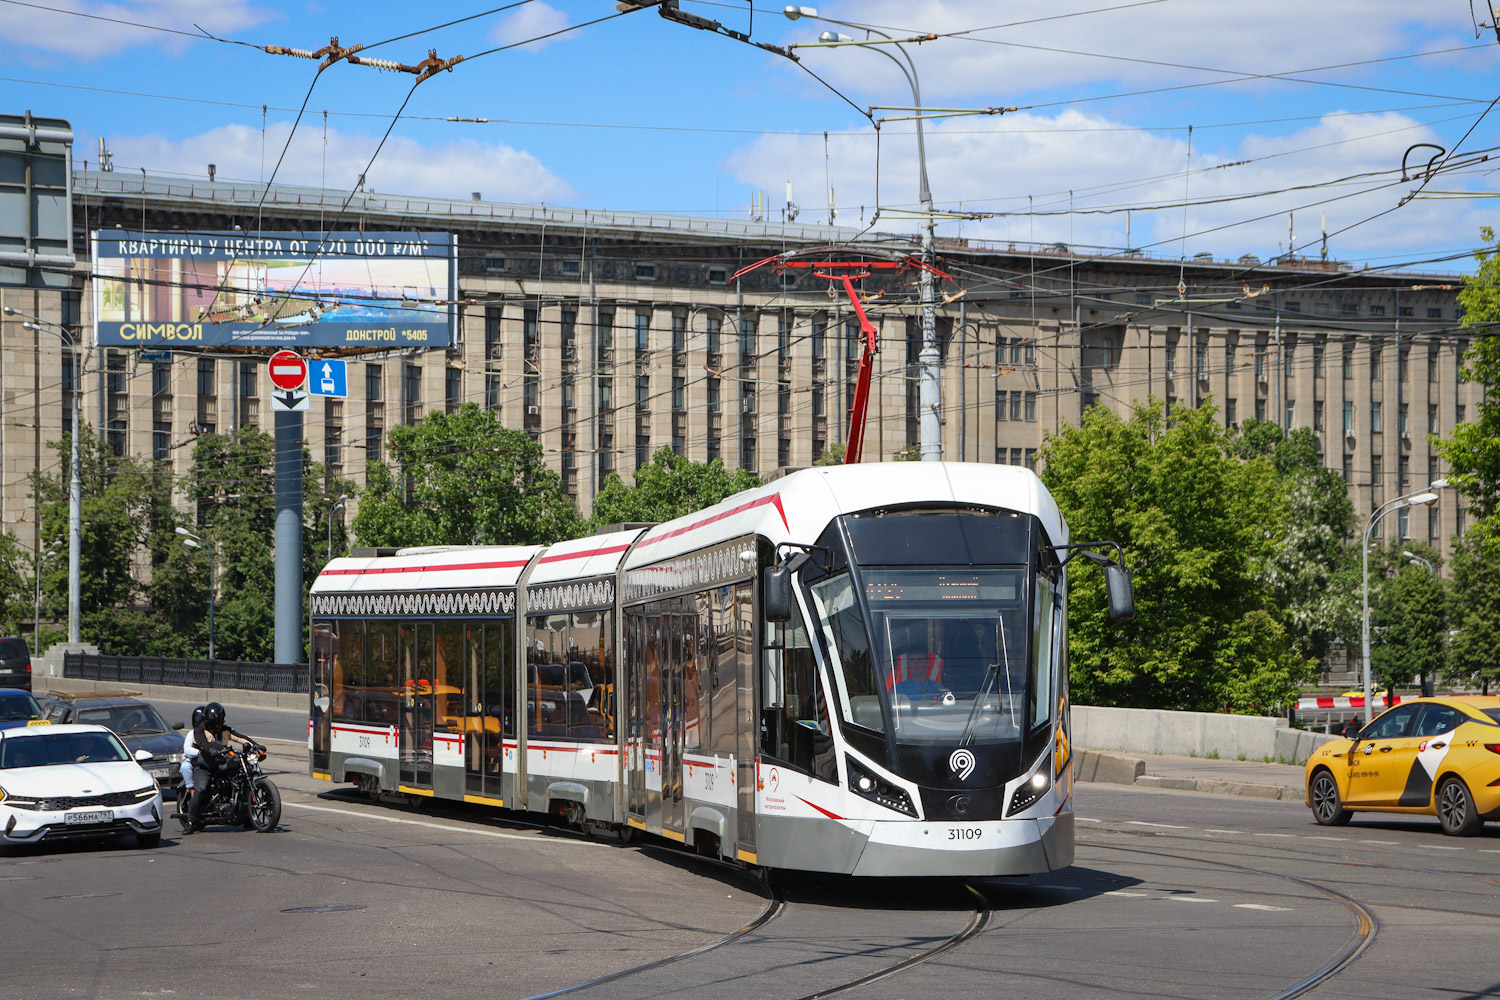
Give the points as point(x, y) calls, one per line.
point(288, 591)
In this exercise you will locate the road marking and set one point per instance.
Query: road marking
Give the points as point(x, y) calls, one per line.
point(1085, 819)
point(1262, 906)
point(1192, 899)
point(1240, 832)
point(1122, 892)
point(1276, 835)
point(1336, 840)
point(441, 826)
point(1387, 843)
point(1159, 826)
point(1440, 847)
point(1482, 851)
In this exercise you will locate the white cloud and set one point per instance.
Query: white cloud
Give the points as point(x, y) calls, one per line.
point(531, 21)
point(404, 166)
point(1094, 162)
point(86, 38)
point(1271, 36)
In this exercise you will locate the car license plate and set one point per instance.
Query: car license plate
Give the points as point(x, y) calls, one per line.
point(92, 816)
point(160, 772)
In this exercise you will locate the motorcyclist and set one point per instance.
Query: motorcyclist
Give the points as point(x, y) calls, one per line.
point(189, 754)
point(209, 736)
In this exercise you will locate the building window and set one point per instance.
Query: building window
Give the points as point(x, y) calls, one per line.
point(1403, 365)
point(492, 342)
point(1260, 408)
point(1403, 522)
point(606, 396)
point(1375, 363)
point(679, 333)
point(570, 267)
point(1031, 406)
point(333, 450)
point(529, 393)
point(1295, 307)
point(1348, 470)
point(494, 263)
point(1403, 471)
point(161, 440)
point(207, 380)
point(413, 393)
point(643, 392)
point(1348, 359)
point(1433, 525)
point(1290, 417)
point(1348, 309)
point(604, 334)
point(1030, 353)
point(1317, 361)
point(453, 389)
point(712, 326)
point(1432, 363)
point(372, 383)
point(1031, 459)
point(569, 326)
point(492, 392)
point(1231, 405)
point(819, 336)
point(1288, 356)
point(1260, 361)
point(1200, 359)
point(1434, 314)
point(1171, 359)
point(678, 384)
point(645, 272)
point(1377, 470)
point(1317, 415)
point(1002, 408)
point(784, 452)
point(373, 434)
point(1142, 300)
point(249, 377)
point(1432, 418)
point(1377, 310)
point(713, 398)
point(1375, 424)
point(161, 379)
point(1348, 416)
point(642, 452)
point(531, 334)
point(642, 332)
point(747, 340)
point(1403, 421)
point(1404, 311)
point(717, 276)
point(1015, 406)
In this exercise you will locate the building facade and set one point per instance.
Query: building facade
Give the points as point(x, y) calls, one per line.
point(607, 336)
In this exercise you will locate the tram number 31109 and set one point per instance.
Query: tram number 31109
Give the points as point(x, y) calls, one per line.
point(964, 833)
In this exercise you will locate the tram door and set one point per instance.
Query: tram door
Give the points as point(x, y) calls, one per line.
point(678, 642)
point(635, 713)
point(742, 618)
point(414, 740)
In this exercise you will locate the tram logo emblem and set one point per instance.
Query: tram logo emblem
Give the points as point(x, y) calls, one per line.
point(961, 761)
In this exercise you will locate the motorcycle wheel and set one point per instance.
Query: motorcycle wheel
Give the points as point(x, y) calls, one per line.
point(183, 798)
point(265, 805)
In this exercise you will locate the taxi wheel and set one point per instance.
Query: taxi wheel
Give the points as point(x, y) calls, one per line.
point(1327, 806)
point(1455, 809)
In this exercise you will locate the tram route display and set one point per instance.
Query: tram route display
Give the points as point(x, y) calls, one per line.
point(851, 670)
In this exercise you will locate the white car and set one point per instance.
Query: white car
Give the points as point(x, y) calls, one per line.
point(74, 781)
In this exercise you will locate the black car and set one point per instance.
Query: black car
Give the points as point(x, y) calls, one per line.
point(136, 722)
point(15, 664)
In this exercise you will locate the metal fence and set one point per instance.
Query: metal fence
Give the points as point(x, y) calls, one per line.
point(288, 677)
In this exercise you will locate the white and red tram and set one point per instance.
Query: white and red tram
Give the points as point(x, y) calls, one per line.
point(857, 669)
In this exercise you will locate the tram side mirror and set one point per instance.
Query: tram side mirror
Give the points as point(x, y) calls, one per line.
point(776, 593)
point(1120, 592)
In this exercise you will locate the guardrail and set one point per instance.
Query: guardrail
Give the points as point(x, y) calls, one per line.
point(281, 677)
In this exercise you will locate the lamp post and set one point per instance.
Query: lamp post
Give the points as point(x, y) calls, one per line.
point(75, 484)
point(1419, 499)
point(36, 613)
point(193, 541)
point(331, 510)
point(1412, 559)
point(928, 384)
point(1416, 560)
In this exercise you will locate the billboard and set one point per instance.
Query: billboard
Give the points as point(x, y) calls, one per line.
point(274, 289)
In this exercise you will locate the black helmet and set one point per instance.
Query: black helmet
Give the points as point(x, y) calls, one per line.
point(213, 715)
point(198, 716)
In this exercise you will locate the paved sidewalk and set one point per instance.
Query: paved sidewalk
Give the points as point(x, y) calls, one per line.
point(1254, 779)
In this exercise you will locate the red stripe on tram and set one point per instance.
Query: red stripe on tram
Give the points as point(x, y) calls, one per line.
point(774, 499)
point(825, 812)
point(509, 564)
point(609, 551)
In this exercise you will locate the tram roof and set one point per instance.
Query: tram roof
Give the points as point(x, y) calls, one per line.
point(581, 558)
point(797, 507)
point(436, 567)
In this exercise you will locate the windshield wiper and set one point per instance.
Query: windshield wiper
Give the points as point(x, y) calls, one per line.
point(990, 674)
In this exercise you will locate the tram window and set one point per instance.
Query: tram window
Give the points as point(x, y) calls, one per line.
point(1041, 653)
point(723, 676)
point(590, 675)
point(547, 684)
point(795, 727)
point(850, 657)
point(692, 658)
point(348, 671)
point(499, 698)
point(448, 680)
point(380, 705)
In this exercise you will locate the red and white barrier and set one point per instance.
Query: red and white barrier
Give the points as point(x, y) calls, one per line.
point(1353, 701)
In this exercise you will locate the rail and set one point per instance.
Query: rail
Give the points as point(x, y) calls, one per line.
point(283, 677)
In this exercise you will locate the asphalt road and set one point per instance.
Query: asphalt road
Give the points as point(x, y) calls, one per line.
point(262, 723)
point(1174, 894)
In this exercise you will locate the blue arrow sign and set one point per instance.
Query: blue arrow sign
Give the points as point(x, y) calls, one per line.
point(327, 378)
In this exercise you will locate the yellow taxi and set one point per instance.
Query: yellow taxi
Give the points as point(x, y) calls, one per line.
point(1427, 757)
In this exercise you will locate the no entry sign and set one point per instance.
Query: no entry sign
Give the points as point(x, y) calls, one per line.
point(288, 370)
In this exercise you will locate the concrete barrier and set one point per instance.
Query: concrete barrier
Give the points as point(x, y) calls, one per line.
point(1192, 734)
point(232, 696)
point(1114, 768)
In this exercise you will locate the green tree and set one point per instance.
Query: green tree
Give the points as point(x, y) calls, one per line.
point(1313, 573)
point(1473, 450)
point(127, 520)
point(463, 479)
point(15, 585)
point(670, 486)
point(1475, 607)
point(1197, 524)
point(1408, 617)
point(832, 455)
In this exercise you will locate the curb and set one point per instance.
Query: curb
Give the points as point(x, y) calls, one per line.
point(1123, 769)
point(230, 696)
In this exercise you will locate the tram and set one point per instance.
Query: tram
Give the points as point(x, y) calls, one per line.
point(857, 669)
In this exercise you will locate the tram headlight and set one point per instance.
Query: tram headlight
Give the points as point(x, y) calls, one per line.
point(1028, 792)
point(868, 786)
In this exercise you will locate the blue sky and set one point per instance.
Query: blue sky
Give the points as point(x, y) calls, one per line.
point(640, 113)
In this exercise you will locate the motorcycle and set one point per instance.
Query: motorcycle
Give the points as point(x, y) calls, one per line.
point(239, 794)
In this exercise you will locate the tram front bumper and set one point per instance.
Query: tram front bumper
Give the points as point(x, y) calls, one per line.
point(993, 847)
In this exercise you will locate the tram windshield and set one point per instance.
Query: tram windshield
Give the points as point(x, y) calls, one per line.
point(950, 655)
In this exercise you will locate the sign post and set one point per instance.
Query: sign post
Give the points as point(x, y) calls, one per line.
point(288, 375)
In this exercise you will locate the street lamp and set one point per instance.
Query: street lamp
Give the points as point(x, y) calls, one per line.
point(75, 485)
point(928, 386)
point(36, 613)
point(331, 510)
point(192, 541)
point(1416, 560)
point(1420, 499)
